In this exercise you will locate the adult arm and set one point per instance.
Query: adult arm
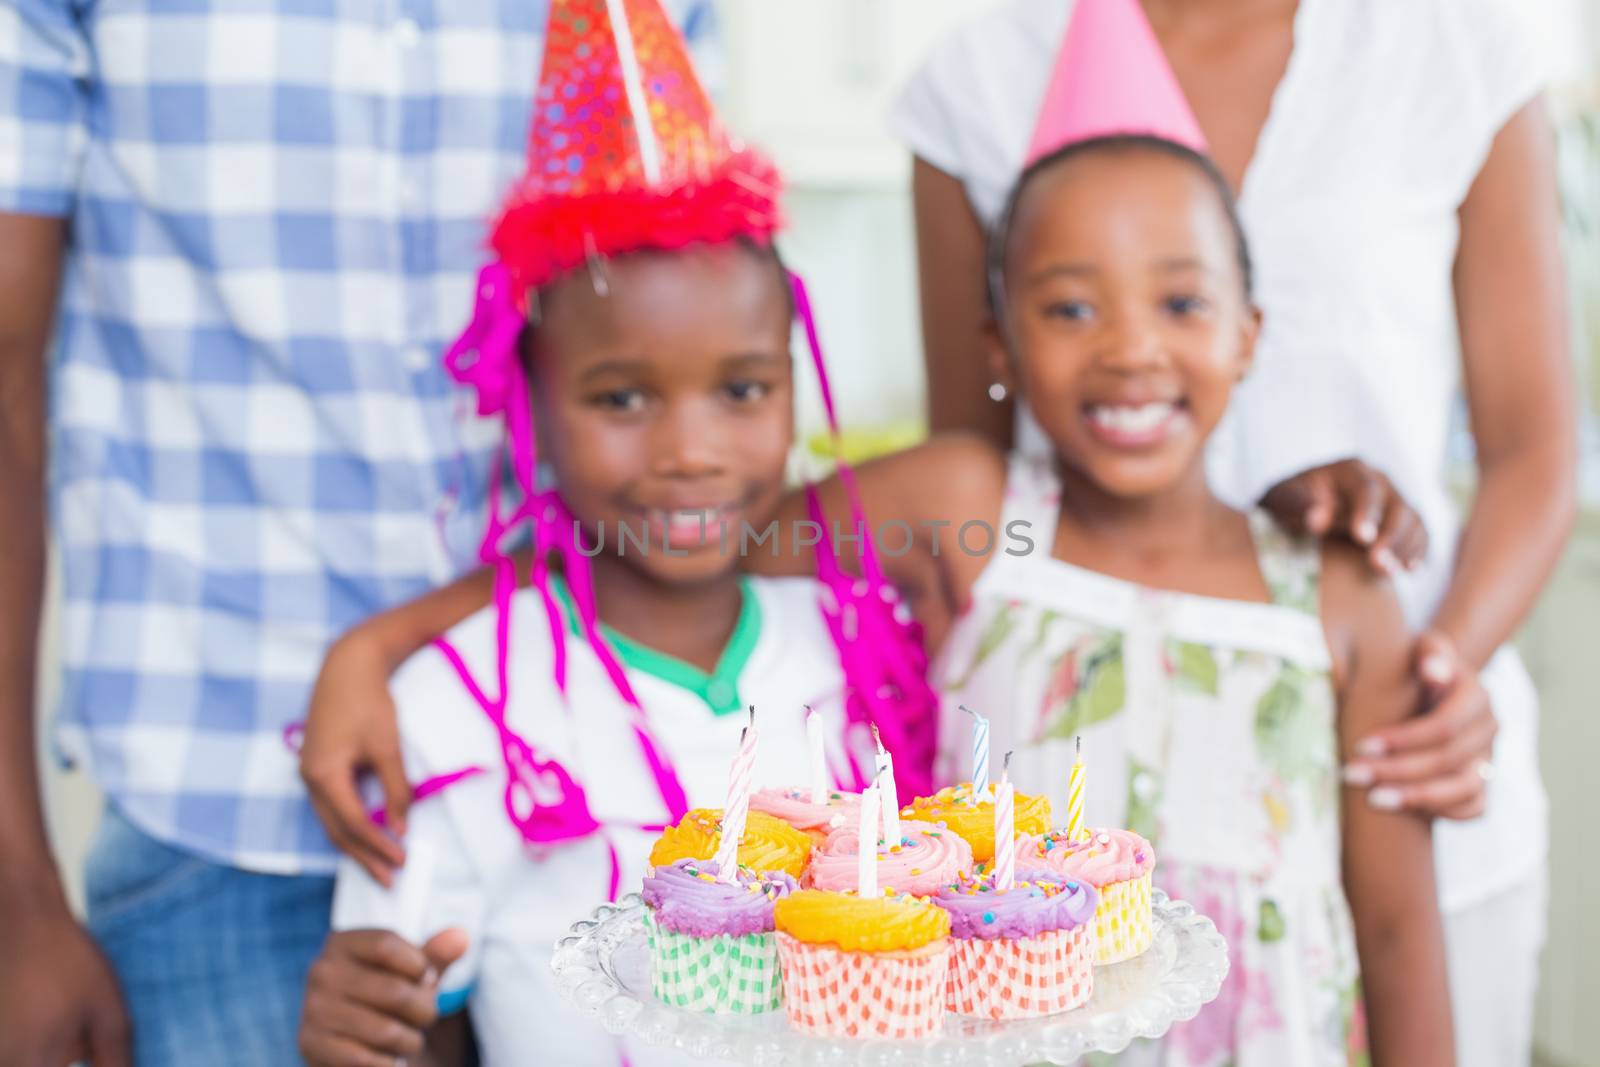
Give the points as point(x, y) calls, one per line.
point(1510, 297)
point(951, 277)
point(1387, 856)
point(58, 998)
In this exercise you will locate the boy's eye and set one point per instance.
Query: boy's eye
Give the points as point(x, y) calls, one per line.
point(622, 400)
point(1071, 310)
point(746, 392)
point(1184, 304)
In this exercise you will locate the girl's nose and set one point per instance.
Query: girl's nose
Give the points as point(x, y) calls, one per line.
point(1132, 342)
point(688, 442)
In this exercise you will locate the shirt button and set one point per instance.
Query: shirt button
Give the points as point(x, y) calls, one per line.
point(406, 33)
point(418, 358)
point(719, 694)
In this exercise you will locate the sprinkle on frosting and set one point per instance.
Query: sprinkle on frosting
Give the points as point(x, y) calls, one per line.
point(953, 807)
point(924, 860)
point(768, 844)
point(686, 898)
point(881, 924)
point(978, 910)
point(1106, 856)
point(794, 807)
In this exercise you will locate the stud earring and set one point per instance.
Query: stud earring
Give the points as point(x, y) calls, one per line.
point(997, 392)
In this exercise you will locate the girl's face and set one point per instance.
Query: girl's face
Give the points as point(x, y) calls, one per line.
point(1124, 320)
point(667, 405)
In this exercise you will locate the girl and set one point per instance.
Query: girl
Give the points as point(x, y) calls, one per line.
point(566, 724)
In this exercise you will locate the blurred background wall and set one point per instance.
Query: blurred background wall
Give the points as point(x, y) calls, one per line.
point(810, 80)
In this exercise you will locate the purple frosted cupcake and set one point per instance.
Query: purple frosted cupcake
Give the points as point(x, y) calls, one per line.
point(1026, 952)
point(712, 944)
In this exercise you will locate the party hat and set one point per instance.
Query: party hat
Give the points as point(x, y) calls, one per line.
point(1111, 77)
point(626, 151)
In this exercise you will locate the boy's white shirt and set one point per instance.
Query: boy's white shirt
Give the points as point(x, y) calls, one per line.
point(467, 865)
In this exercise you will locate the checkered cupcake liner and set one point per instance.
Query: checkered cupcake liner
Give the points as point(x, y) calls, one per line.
point(834, 993)
point(1021, 978)
point(720, 975)
point(1123, 923)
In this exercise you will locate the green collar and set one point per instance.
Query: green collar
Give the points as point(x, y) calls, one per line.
point(720, 688)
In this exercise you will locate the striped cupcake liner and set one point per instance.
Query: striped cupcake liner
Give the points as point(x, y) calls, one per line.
point(721, 975)
point(834, 993)
point(1124, 925)
point(1021, 978)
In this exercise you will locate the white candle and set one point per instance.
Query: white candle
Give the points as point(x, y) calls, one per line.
point(884, 773)
point(980, 756)
point(1005, 849)
point(819, 758)
point(867, 858)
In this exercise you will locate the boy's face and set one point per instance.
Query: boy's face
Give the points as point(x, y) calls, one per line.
point(1125, 315)
point(668, 403)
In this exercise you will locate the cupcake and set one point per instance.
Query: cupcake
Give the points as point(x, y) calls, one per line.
point(712, 945)
point(855, 967)
point(795, 807)
point(953, 807)
point(1021, 953)
point(768, 844)
point(1117, 863)
point(926, 859)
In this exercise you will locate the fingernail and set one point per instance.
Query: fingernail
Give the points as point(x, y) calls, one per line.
point(1385, 799)
point(1371, 747)
point(431, 975)
point(1366, 530)
point(1317, 517)
point(1436, 669)
point(1357, 774)
point(1385, 560)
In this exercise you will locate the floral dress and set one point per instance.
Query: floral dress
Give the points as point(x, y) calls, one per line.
point(1208, 726)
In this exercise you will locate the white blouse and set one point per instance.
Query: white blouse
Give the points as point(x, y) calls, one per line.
point(1382, 120)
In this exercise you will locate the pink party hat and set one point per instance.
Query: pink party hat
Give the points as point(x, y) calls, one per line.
point(1111, 77)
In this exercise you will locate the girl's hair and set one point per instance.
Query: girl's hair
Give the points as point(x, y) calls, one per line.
point(1000, 236)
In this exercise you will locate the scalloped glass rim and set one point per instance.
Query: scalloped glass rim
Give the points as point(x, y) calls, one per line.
point(603, 968)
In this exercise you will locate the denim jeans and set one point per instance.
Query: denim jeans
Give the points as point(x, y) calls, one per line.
point(212, 960)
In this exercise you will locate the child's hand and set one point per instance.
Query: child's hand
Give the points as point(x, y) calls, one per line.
point(351, 728)
point(59, 1001)
point(1357, 501)
point(1437, 763)
point(371, 995)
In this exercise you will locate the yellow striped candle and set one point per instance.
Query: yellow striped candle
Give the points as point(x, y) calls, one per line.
point(1075, 827)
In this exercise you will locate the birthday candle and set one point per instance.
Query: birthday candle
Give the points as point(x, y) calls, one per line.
point(891, 795)
point(1075, 827)
point(819, 758)
point(867, 857)
point(738, 803)
point(1005, 831)
point(980, 755)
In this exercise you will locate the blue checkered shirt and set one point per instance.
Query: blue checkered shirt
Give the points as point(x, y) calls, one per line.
point(276, 210)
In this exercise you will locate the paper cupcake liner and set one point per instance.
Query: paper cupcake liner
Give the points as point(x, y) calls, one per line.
point(1021, 978)
point(722, 975)
point(1123, 924)
point(861, 994)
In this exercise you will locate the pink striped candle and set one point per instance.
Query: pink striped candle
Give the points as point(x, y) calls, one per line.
point(737, 808)
point(1005, 832)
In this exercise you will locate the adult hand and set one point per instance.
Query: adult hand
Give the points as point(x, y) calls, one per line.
point(1351, 499)
point(1439, 762)
point(371, 995)
point(351, 729)
point(59, 1001)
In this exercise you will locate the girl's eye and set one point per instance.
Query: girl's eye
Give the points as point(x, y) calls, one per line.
point(747, 392)
point(1071, 310)
point(1183, 304)
point(620, 400)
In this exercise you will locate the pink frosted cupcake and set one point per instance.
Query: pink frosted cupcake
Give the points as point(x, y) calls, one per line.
point(1026, 952)
point(1117, 863)
point(795, 807)
point(927, 859)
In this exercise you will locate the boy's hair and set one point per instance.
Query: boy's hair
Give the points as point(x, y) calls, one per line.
point(1000, 236)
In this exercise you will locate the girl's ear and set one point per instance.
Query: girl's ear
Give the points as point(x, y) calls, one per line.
point(1249, 333)
point(997, 356)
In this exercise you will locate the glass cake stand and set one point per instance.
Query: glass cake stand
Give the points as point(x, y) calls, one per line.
point(603, 966)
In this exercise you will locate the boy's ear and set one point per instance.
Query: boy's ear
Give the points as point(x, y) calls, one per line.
point(1249, 333)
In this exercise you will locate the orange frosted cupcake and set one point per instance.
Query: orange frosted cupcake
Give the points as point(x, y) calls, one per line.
point(768, 844)
point(953, 806)
point(855, 967)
